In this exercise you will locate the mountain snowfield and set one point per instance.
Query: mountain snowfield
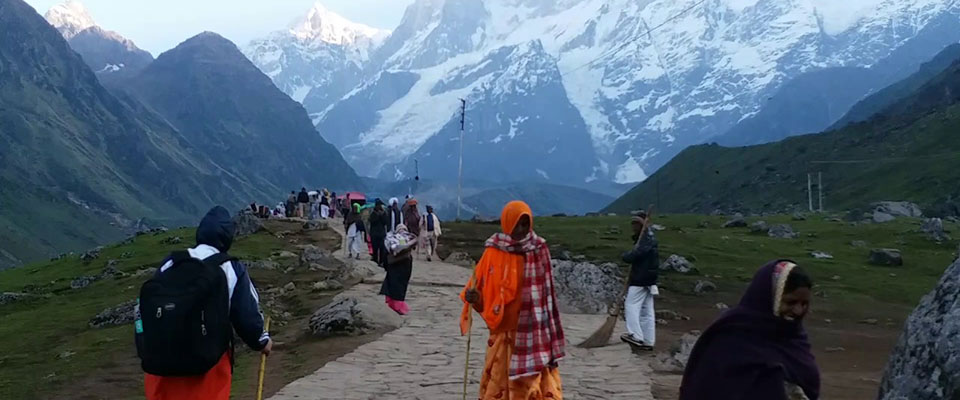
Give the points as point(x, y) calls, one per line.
point(645, 78)
point(70, 18)
point(107, 53)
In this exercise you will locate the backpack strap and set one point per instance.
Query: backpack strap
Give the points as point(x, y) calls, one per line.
point(180, 256)
point(217, 259)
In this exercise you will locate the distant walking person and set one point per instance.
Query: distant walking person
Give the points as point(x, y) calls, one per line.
point(325, 204)
point(400, 244)
point(396, 216)
point(185, 314)
point(379, 223)
point(352, 225)
point(302, 200)
point(758, 349)
point(430, 226)
point(644, 261)
point(292, 204)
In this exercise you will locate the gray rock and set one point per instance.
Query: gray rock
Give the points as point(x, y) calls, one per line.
point(679, 264)
point(701, 287)
point(329, 268)
point(881, 217)
point(14, 297)
point(671, 315)
point(703, 224)
point(675, 360)
point(311, 254)
point(858, 243)
point(126, 254)
point(821, 255)
point(91, 255)
point(869, 321)
point(111, 271)
point(782, 231)
point(460, 258)
point(284, 254)
point(145, 272)
point(172, 240)
point(799, 216)
point(898, 208)
point(247, 224)
point(925, 362)
point(933, 227)
point(316, 225)
point(261, 264)
point(735, 222)
point(323, 286)
point(65, 355)
point(352, 317)
point(585, 288)
point(759, 227)
point(289, 287)
point(886, 257)
point(119, 315)
point(82, 282)
point(721, 306)
point(658, 227)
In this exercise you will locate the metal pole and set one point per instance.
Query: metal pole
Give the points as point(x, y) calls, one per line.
point(810, 192)
point(463, 108)
point(820, 189)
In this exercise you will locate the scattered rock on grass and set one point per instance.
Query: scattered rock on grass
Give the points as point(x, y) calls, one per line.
point(858, 243)
point(172, 240)
point(703, 224)
point(782, 231)
point(891, 257)
point(701, 287)
point(759, 227)
point(289, 287)
point(328, 285)
point(898, 208)
point(721, 306)
point(119, 315)
point(13, 297)
point(65, 355)
point(869, 321)
point(735, 222)
point(91, 254)
point(835, 278)
point(933, 227)
point(82, 282)
point(261, 264)
point(799, 216)
point(679, 264)
point(821, 255)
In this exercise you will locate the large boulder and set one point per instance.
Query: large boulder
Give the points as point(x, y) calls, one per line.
point(881, 217)
point(675, 360)
point(247, 224)
point(585, 288)
point(736, 222)
point(886, 257)
point(933, 227)
point(759, 227)
point(349, 316)
point(119, 315)
point(679, 264)
point(318, 260)
point(925, 363)
point(898, 208)
point(781, 231)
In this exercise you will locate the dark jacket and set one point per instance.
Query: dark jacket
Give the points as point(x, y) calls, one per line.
point(217, 230)
point(303, 197)
point(378, 223)
point(644, 261)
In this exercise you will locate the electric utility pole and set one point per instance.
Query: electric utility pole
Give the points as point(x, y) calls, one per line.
point(463, 111)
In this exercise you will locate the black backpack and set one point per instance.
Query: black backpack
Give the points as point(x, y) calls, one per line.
point(183, 322)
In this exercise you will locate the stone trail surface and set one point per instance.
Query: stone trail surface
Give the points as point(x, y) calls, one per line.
point(424, 358)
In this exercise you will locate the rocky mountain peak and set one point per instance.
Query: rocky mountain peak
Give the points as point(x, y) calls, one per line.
point(70, 18)
point(324, 25)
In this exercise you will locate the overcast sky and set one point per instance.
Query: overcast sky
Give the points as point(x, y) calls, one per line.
point(157, 26)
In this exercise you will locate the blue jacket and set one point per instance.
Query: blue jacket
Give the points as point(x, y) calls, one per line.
point(644, 261)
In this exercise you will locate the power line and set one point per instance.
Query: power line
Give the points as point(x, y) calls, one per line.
point(647, 33)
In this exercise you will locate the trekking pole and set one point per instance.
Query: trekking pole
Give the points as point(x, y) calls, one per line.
point(263, 365)
point(466, 364)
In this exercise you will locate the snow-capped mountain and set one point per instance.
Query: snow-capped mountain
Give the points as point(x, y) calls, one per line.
point(106, 52)
point(643, 78)
point(318, 58)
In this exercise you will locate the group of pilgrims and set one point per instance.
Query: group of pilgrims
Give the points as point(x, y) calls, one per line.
point(758, 349)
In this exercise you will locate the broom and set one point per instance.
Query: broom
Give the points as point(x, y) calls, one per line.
point(602, 336)
point(263, 365)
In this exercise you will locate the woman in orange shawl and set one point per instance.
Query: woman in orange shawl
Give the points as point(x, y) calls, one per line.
point(512, 289)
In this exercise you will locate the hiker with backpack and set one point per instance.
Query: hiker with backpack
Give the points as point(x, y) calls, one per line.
point(185, 314)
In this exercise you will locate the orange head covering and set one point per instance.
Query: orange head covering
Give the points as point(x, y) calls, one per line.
point(511, 215)
point(498, 274)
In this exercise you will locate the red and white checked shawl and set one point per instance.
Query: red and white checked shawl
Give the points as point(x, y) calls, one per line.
point(540, 341)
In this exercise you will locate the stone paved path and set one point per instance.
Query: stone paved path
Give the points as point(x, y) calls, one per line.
point(424, 358)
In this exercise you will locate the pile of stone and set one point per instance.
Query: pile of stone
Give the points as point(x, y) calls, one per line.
point(585, 288)
point(119, 315)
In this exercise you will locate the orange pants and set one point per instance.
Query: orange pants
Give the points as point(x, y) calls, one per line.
point(496, 383)
point(214, 385)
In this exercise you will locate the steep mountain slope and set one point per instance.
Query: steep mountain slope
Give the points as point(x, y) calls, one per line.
point(107, 53)
point(876, 102)
point(318, 59)
point(77, 165)
point(815, 100)
point(642, 95)
point(907, 152)
point(230, 112)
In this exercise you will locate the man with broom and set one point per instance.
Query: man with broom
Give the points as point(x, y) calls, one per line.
point(644, 261)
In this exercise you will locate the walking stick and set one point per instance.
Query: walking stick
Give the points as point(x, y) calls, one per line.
point(263, 365)
point(466, 364)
